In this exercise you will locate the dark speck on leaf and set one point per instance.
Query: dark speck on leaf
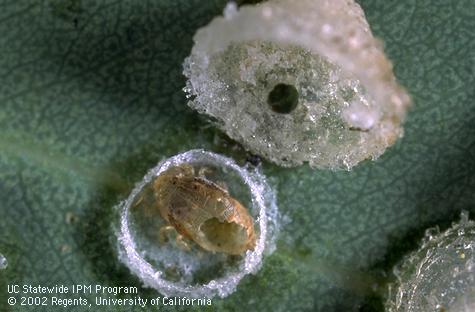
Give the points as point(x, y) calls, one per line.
point(254, 160)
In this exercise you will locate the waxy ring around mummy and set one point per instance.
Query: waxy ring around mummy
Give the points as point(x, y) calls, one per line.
point(223, 216)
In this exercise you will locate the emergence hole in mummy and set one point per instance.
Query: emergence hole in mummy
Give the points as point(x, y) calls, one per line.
point(223, 234)
point(283, 99)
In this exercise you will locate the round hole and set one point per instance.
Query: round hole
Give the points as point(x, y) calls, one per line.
point(283, 99)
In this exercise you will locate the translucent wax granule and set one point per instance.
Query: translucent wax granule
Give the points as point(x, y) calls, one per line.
point(297, 81)
point(197, 224)
point(3, 262)
point(440, 276)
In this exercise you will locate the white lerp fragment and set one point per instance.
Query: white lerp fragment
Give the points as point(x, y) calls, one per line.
point(3, 262)
point(151, 261)
point(440, 276)
point(297, 81)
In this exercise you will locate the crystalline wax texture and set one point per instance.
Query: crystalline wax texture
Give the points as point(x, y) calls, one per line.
point(3, 262)
point(440, 276)
point(297, 81)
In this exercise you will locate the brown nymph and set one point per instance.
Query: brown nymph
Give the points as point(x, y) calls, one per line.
point(202, 211)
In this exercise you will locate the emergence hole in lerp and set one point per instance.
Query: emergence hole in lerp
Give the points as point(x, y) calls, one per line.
point(283, 99)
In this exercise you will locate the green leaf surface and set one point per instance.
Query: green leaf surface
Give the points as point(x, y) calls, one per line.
point(90, 99)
